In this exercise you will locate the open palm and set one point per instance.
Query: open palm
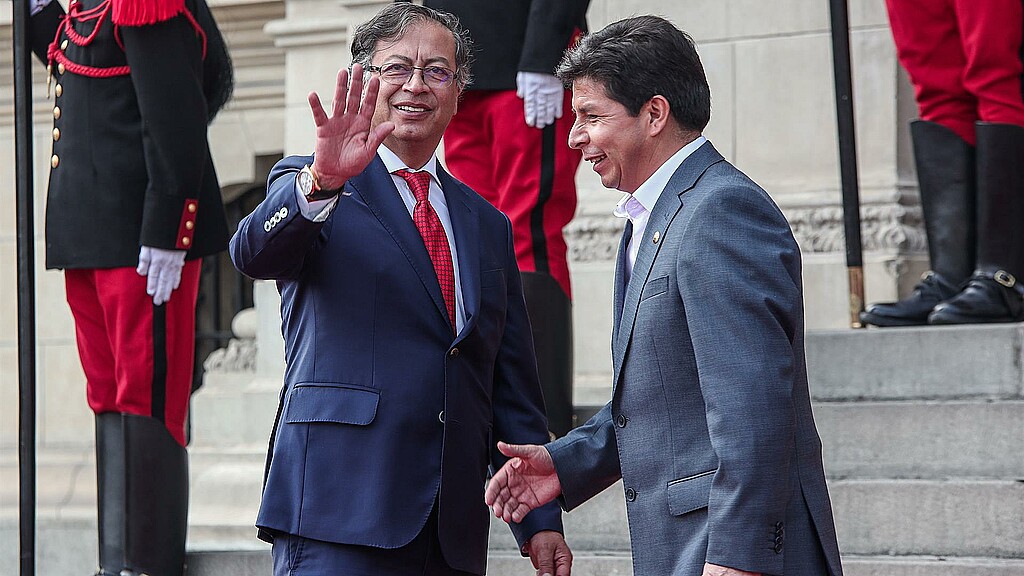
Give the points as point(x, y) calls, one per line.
point(346, 141)
point(526, 481)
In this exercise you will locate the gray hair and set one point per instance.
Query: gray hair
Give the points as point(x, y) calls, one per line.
point(395, 19)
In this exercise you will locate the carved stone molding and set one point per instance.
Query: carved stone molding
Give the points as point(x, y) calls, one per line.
point(593, 238)
point(818, 229)
point(238, 357)
point(884, 227)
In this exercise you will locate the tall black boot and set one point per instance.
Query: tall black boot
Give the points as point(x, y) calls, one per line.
point(946, 176)
point(143, 503)
point(550, 314)
point(994, 293)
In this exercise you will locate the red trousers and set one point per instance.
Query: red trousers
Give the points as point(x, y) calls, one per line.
point(137, 357)
point(964, 58)
point(527, 173)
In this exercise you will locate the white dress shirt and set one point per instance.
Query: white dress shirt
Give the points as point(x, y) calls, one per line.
point(646, 195)
point(319, 210)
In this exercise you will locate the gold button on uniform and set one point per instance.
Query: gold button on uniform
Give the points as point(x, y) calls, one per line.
point(58, 90)
point(657, 236)
point(189, 225)
point(186, 241)
point(61, 68)
point(56, 134)
point(64, 44)
point(54, 161)
point(56, 112)
point(192, 207)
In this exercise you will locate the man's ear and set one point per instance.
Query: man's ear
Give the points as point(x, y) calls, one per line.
point(658, 114)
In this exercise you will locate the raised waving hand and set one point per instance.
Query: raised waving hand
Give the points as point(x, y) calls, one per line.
point(346, 140)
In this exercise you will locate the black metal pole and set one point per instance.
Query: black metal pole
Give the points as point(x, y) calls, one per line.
point(26, 288)
point(848, 156)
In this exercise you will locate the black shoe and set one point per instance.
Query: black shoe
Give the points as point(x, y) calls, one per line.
point(989, 297)
point(913, 310)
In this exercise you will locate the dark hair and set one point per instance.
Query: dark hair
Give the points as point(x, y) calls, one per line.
point(393, 21)
point(641, 57)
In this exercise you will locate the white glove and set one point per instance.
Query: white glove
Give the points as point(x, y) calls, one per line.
point(162, 269)
point(542, 97)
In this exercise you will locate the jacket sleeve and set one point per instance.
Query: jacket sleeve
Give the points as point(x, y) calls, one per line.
point(517, 399)
point(586, 459)
point(550, 27)
point(744, 308)
point(166, 72)
point(273, 242)
point(43, 28)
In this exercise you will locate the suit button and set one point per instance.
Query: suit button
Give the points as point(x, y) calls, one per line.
point(621, 420)
point(454, 352)
point(630, 495)
point(56, 134)
point(56, 112)
point(777, 548)
point(440, 416)
point(54, 161)
point(59, 90)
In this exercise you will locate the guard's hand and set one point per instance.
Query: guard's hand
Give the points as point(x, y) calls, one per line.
point(525, 482)
point(36, 6)
point(550, 554)
point(162, 269)
point(716, 570)
point(345, 141)
point(542, 97)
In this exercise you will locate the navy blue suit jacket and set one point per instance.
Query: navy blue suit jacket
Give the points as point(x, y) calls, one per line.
point(384, 410)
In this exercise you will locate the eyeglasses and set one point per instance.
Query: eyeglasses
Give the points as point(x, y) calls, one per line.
point(398, 74)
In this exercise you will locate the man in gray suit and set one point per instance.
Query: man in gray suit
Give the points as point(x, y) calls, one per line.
point(710, 425)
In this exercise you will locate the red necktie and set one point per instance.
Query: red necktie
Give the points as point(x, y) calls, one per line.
point(434, 238)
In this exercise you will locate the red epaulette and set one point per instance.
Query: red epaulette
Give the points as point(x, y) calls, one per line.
point(144, 12)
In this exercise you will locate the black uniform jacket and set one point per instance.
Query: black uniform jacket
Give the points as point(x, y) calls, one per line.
point(516, 35)
point(131, 164)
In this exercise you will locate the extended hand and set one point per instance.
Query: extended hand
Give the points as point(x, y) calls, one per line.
point(345, 141)
point(716, 570)
point(525, 482)
point(542, 97)
point(550, 554)
point(162, 269)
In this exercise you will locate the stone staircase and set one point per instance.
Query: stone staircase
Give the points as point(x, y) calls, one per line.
point(924, 447)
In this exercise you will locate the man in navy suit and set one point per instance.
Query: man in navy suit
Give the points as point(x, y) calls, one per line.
point(407, 342)
point(709, 426)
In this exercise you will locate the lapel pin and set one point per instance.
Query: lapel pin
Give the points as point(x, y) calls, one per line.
point(657, 236)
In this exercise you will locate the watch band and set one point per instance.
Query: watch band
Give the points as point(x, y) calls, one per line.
point(316, 192)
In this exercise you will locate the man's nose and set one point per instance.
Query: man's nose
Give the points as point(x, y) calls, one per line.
point(416, 82)
point(577, 136)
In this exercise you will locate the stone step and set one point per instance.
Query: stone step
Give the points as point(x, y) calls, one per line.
point(934, 362)
point(922, 439)
point(930, 566)
point(249, 562)
point(930, 517)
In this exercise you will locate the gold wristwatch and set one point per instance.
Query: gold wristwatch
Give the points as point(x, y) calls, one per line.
point(309, 185)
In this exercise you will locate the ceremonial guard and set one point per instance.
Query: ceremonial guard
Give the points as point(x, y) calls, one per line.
point(133, 205)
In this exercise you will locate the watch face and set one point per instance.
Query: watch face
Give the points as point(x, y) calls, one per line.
point(305, 182)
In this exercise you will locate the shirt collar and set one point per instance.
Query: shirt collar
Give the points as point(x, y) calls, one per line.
point(649, 192)
point(393, 163)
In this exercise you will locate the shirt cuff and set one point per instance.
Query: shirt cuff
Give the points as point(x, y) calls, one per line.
point(316, 211)
point(36, 6)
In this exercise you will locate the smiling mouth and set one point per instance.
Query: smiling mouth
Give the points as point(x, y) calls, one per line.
point(409, 108)
point(595, 160)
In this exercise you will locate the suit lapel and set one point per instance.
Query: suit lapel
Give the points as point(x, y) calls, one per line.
point(377, 190)
point(620, 277)
point(466, 231)
point(666, 208)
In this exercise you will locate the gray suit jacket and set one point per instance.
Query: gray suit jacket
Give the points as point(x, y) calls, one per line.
point(710, 424)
